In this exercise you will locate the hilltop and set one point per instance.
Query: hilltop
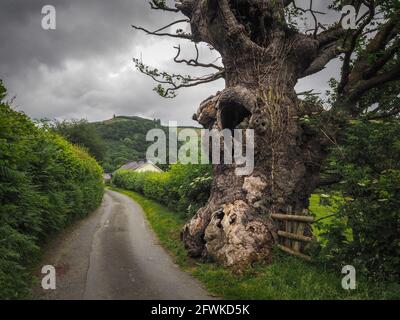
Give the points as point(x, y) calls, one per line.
point(125, 139)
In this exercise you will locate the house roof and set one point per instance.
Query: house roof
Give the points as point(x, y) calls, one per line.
point(132, 165)
point(136, 165)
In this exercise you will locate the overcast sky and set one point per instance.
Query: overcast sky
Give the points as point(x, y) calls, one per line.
point(84, 68)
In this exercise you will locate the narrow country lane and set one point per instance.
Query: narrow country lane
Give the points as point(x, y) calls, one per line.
point(113, 254)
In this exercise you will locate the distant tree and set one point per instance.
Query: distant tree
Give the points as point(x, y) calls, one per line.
point(82, 133)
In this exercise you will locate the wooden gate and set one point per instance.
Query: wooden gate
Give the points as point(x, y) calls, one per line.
point(291, 232)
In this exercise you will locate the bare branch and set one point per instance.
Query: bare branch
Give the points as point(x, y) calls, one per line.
point(164, 34)
point(309, 93)
point(195, 82)
point(194, 62)
point(160, 5)
point(313, 13)
point(173, 82)
point(171, 24)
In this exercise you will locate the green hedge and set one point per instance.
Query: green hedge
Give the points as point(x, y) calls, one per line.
point(45, 183)
point(184, 188)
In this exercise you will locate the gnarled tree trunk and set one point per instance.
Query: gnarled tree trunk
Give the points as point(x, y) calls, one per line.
point(261, 71)
point(263, 57)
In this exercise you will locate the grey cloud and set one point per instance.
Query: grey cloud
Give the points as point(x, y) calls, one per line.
point(84, 68)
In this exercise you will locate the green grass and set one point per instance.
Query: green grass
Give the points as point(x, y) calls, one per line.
point(286, 278)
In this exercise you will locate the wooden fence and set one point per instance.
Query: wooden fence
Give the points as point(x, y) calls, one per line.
point(294, 232)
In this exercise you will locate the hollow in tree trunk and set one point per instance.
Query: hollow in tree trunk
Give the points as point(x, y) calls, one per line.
point(263, 55)
point(235, 227)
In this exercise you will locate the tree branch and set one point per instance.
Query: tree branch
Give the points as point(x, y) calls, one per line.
point(170, 92)
point(383, 115)
point(186, 7)
point(174, 82)
point(164, 34)
point(234, 30)
point(194, 62)
point(331, 35)
point(377, 81)
point(328, 181)
point(313, 13)
point(287, 3)
point(161, 5)
point(346, 67)
point(361, 75)
point(381, 62)
point(324, 56)
point(171, 24)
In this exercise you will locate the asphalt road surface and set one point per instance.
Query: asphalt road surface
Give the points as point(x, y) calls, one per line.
point(113, 254)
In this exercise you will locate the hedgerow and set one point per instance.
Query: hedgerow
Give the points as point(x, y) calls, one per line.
point(184, 188)
point(45, 183)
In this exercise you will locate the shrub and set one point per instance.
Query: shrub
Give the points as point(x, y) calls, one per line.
point(45, 183)
point(366, 230)
point(183, 188)
point(82, 133)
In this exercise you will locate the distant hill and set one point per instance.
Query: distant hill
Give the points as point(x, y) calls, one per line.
point(125, 139)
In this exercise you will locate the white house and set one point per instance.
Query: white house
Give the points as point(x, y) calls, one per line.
point(107, 177)
point(141, 166)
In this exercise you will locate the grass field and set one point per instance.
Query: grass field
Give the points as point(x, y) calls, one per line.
point(286, 278)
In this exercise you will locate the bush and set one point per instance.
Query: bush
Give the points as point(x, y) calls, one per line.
point(184, 188)
point(82, 133)
point(366, 230)
point(45, 183)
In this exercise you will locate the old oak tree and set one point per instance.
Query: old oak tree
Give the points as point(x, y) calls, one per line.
point(264, 53)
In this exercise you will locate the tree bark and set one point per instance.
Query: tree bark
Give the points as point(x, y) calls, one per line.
point(235, 226)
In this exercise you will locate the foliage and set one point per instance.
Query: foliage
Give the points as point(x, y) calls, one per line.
point(369, 164)
point(286, 278)
point(184, 188)
point(80, 132)
point(364, 230)
point(45, 183)
point(112, 142)
point(125, 139)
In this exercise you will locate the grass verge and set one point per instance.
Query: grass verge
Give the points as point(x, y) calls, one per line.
point(286, 278)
